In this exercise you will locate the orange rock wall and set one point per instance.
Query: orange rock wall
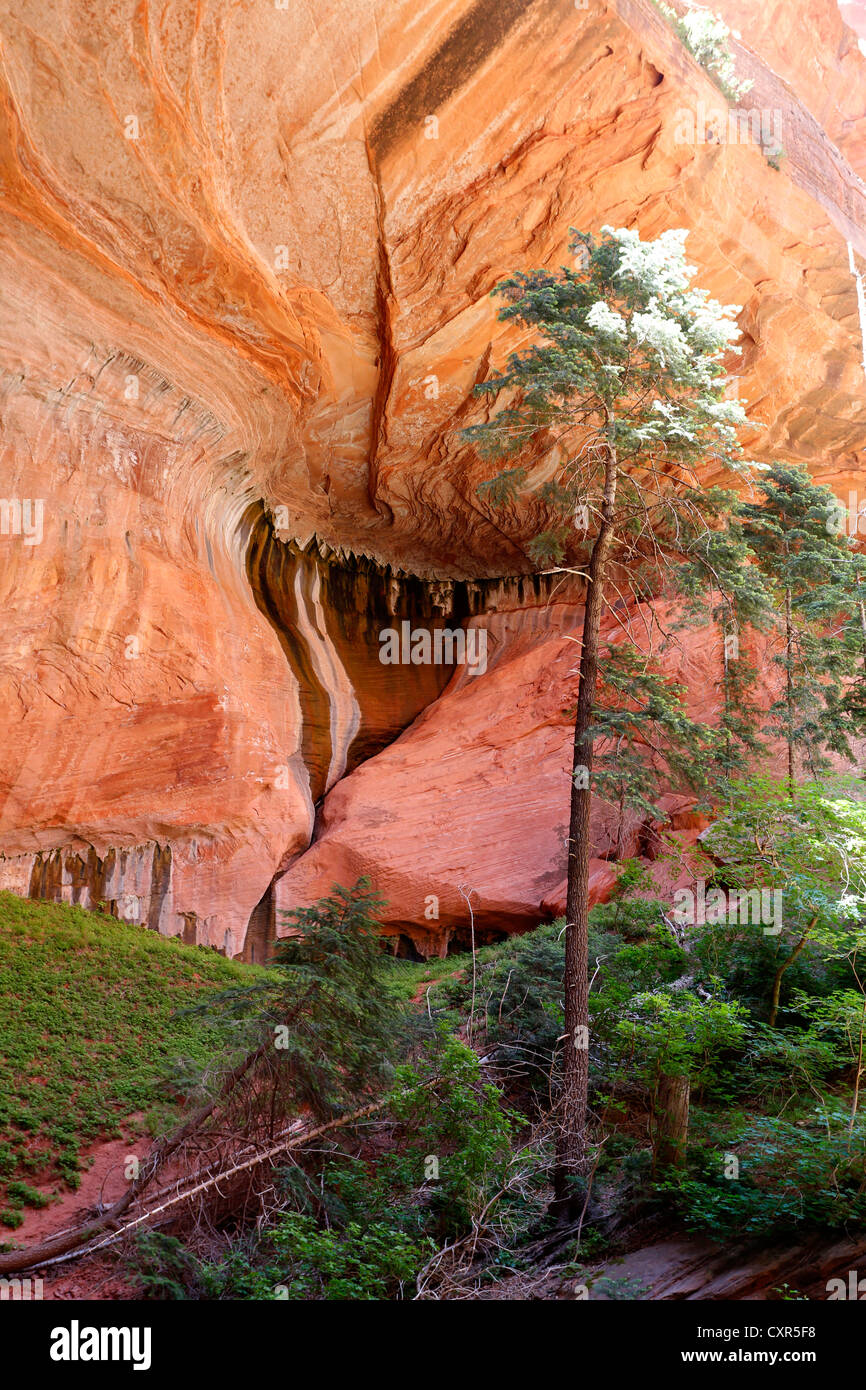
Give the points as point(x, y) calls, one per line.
point(245, 264)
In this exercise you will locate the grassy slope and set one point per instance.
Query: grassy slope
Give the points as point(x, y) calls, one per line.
point(86, 1032)
point(89, 1030)
point(410, 980)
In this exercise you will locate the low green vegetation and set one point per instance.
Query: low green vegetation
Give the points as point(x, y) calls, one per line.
point(423, 1141)
point(89, 1028)
point(361, 1220)
point(445, 1188)
point(434, 1122)
point(764, 1019)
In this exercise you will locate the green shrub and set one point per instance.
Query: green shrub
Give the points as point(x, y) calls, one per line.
point(304, 1262)
point(790, 1175)
point(88, 1018)
point(453, 1116)
point(326, 1034)
point(518, 1002)
point(742, 961)
point(26, 1195)
point(162, 1268)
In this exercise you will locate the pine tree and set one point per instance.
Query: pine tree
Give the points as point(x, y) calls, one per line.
point(817, 581)
point(739, 601)
point(317, 1033)
point(623, 389)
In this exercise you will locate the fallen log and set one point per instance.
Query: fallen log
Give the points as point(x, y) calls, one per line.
point(80, 1241)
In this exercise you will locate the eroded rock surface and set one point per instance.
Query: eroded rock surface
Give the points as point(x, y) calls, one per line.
point(245, 270)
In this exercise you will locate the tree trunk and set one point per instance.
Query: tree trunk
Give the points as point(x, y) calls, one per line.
point(789, 689)
point(726, 688)
point(777, 981)
point(571, 1134)
point(673, 1120)
point(861, 608)
point(856, 1097)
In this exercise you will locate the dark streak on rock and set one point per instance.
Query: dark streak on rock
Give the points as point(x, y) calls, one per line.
point(459, 55)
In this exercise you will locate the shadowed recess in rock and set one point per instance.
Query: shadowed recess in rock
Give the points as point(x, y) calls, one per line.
point(329, 615)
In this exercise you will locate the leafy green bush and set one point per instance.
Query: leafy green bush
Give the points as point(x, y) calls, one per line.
point(678, 1033)
point(742, 960)
point(519, 988)
point(785, 1062)
point(304, 1262)
point(26, 1195)
point(790, 1175)
point(456, 1118)
point(162, 1268)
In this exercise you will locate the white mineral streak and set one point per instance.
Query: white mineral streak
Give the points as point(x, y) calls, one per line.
point(345, 713)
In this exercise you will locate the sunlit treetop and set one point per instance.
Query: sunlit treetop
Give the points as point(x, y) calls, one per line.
point(627, 355)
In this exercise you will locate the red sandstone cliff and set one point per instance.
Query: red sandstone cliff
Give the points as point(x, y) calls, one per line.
point(246, 260)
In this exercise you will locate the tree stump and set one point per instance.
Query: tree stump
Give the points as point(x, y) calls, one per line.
point(673, 1120)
